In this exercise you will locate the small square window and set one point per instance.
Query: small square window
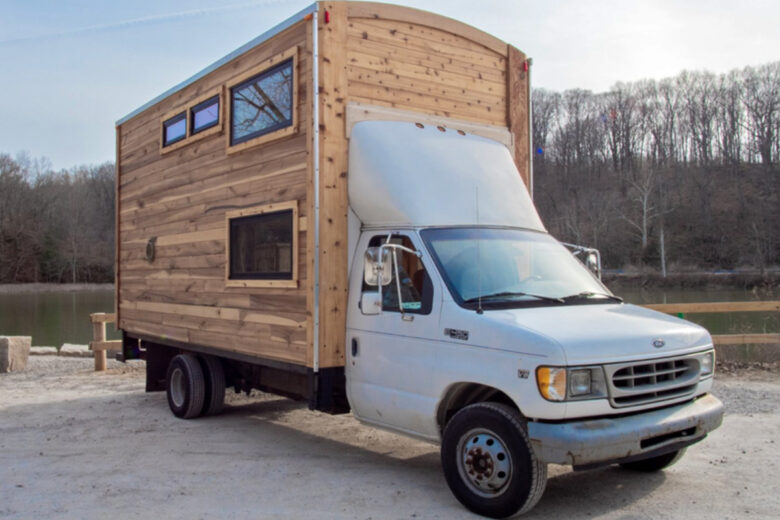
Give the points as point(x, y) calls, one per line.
point(262, 104)
point(262, 246)
point(175, 129)
point(204, 115)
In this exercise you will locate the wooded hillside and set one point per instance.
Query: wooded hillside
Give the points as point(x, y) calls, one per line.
point(681, 172)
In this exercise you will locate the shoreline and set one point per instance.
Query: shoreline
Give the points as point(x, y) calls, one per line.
point(747, 281)
point(29, 288)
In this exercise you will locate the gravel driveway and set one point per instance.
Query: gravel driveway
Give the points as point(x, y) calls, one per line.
point(80, 444)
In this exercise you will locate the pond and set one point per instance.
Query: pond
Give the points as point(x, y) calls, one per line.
point(53, 317)
point(716, 323)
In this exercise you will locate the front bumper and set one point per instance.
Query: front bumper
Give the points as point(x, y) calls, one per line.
point(631, 437)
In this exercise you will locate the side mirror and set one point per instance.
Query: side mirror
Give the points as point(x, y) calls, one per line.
point(593, 262)
point(373, 268)
point(371, 303)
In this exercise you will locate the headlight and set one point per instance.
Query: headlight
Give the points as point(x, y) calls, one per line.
point(552, 383)
point(580, 382)
point(562, 384)
point(707, 363)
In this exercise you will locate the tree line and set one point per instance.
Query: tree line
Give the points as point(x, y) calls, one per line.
point(55, 226)
point(672, 174)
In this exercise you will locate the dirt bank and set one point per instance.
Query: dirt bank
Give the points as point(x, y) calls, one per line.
point(80, 444)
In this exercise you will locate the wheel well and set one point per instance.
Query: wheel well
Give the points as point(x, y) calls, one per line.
point(461, 395)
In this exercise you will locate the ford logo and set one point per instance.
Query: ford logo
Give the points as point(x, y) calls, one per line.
point(658, 343)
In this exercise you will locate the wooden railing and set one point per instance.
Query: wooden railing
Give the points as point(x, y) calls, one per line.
point(99, 345)
point(681, 309)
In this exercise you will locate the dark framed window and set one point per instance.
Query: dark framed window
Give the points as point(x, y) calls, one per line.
point(204, 115)
point(261, 246)
point(262, 104)
point(175, 129)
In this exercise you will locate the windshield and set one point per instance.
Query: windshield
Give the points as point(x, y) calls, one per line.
point(500, 268)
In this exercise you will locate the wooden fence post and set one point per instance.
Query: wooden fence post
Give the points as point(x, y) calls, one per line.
point(99, 335)
point(99, 345)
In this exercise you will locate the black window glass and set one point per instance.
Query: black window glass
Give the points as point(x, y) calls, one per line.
point(205, 115)
point(261, 246)
point(262, 104)
point(175, 129)
point(416, 285)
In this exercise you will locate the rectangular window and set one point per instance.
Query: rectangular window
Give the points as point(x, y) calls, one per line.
point(204, 115)
point(262, 246)
point(175, 129)
point(262, 104)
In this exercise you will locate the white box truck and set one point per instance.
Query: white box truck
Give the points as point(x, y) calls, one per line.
point(340, 212)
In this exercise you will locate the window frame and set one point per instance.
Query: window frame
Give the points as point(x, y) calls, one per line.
point(213, 128)
point(266, 67)
point(190, 136)
point(178, 115)
point(262, 210)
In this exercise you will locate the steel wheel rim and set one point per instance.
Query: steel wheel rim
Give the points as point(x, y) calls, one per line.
point(484, 463)
point(177, 387)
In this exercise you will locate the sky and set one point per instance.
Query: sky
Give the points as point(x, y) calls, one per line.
point(69, 69)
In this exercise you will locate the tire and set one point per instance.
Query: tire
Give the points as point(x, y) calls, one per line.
point(654, 463)
point(507, 478)
point(185, 386)
point(214, 399)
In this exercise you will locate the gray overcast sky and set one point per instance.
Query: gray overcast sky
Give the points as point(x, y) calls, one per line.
point(70, 69)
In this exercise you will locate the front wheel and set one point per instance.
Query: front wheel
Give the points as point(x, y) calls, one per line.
point(489, 463)
point(654, 463)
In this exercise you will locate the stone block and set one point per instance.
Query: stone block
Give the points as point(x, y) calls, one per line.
point(14, 351)
point(71, 350)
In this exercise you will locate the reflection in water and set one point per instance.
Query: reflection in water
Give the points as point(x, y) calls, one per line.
point(56, 317)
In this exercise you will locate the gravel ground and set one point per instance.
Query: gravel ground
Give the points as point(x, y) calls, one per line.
point(80, 444)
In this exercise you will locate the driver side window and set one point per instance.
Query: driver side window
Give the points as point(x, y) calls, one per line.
point(415, 283)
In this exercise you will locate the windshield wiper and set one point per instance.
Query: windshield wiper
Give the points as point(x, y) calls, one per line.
point(590, 294)
point(512, 293)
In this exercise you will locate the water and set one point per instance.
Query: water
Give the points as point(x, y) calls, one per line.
point(716, 323)
point(55, 317)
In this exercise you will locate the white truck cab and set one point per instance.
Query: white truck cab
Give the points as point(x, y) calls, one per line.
point(470, 326)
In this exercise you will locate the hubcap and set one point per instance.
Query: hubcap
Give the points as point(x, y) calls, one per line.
point(177, 387)
point(484, 463)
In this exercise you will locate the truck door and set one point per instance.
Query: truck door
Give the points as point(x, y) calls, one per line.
point(391, 351)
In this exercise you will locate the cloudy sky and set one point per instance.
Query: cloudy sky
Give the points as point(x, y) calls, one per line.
point(71, 68)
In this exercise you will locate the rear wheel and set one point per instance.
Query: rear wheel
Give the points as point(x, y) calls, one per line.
point(185, 386)
point(214, 399)
point(654, 463)
point(489, 463)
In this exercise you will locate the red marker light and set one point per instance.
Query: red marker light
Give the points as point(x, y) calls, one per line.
point(327, 16)
point(525, 66)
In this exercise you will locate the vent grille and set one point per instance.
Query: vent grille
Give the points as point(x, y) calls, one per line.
point(648, 382)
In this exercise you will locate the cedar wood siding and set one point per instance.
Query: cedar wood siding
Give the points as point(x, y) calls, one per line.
point(181, 198)
point(369, 53)
point(403, 58)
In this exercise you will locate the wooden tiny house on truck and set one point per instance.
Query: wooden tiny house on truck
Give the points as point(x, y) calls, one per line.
point(232, 203)
point(340, 212)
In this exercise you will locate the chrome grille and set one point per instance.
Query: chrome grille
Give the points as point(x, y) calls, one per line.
point(645, 382)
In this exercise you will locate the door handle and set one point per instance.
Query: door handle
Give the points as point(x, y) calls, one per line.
point(354, 347)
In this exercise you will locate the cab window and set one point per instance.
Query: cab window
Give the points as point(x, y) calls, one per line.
point(416, 285)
